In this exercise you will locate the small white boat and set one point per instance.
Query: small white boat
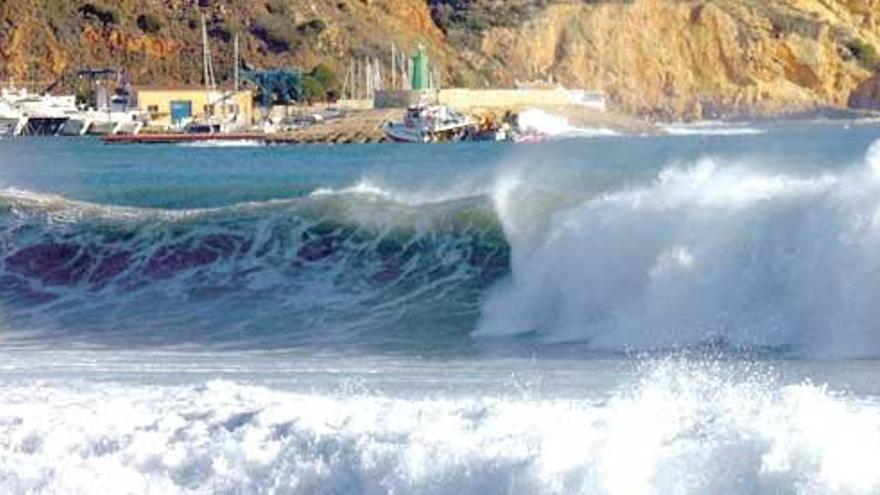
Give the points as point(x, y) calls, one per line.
point(430, 124)
point(105, 123)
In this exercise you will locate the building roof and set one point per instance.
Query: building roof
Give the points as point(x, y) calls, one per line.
point(169, 89)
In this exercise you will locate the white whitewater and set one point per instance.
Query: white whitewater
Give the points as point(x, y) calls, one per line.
point(221, 143)
point(710, 252)
point(678, 427)
point(711, 128)
point(542, 122)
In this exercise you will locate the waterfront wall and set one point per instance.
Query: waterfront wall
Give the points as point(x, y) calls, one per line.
point(354, 104)
point(464, 99)
point(506, 99)
point(402, 98)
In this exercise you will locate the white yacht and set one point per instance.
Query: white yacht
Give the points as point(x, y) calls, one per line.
point(44, 115)
point(113, 116)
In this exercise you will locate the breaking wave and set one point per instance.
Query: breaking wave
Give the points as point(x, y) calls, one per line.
point(708, 253)
point(307, 269)
point(541, 122)
point(711, 252)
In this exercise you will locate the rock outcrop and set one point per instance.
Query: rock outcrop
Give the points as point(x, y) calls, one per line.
point(867, 95)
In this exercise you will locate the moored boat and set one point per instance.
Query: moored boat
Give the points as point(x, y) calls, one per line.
point(430, 124)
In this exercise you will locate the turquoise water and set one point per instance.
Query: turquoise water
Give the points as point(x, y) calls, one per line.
point(680, 314)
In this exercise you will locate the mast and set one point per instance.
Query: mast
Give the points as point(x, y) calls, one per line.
point(205, 53)
point(208, 65)
point(237, 64)
point(393, 66)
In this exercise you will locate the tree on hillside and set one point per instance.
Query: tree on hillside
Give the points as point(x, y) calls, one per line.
point(320, 84)
point(313, 90)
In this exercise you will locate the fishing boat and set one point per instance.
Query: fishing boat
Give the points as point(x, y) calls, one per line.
point(430, 124)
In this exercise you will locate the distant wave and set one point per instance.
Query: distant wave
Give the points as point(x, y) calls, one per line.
point(223, 143)
point(710, 128)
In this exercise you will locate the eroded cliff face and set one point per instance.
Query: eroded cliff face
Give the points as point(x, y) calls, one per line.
point(665, 59)
point(696, 59)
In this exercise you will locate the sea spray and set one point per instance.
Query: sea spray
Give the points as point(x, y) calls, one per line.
point(708, 253)
point(541, 122)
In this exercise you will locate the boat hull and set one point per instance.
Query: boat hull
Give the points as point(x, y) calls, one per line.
point(11, 126)
point(43, 126)
point(74, 127)
point(403, 134)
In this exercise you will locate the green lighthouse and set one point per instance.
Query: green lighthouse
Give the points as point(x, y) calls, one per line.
point(420, 76)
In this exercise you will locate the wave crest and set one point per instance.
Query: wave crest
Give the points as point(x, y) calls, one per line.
point(309, 262)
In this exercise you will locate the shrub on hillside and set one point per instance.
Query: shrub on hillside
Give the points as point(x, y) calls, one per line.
point(313, 27)
point(278, 7)
point(224, 30)
point(149, 23)
point(312, 88)
point(105, 14)
point(277, 33)
point(865, 53)
point(325, 75)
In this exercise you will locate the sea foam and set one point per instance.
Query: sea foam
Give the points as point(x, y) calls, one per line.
point(709, 252)
point(676, 427)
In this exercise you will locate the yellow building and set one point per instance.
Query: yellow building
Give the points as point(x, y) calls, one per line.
point(172, 107)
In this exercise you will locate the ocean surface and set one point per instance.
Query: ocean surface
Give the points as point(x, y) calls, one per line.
point(694, 313)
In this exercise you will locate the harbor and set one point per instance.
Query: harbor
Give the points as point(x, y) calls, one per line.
point(377, 101)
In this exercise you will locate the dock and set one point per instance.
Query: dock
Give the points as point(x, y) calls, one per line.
point(359, 127)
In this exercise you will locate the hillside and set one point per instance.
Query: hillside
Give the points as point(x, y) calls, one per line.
point(663, 59)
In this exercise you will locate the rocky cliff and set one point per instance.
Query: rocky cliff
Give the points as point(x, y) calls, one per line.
point(694, 58)
point(660, 58)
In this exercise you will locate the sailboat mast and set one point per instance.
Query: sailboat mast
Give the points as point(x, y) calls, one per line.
point(210, 82)
point(236, 64)
point(205, 54)
point(393, 66)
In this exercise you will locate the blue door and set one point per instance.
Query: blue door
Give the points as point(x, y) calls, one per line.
point(181, 110)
